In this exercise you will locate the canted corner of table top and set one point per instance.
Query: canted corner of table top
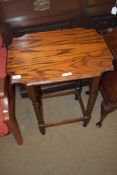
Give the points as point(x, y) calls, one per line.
point(57, 56)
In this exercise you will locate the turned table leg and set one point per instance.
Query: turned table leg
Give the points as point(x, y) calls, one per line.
point(91, 100)
point(36, 99)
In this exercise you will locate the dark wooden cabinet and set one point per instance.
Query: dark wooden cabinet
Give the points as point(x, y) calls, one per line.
point(22, 15)
point(109, 80)
point(108, 84)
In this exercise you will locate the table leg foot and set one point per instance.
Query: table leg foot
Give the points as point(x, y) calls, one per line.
point(84, 124)
point(42, 130)
point(99, 124)
point(86, 121)
point(105, 110)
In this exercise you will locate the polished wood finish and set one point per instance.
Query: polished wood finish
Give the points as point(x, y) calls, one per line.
point(109, 80)
point(58, 56)
point(42, 58)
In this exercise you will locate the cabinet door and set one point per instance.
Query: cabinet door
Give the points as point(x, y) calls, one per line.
point(99, 3)
point(98, 7)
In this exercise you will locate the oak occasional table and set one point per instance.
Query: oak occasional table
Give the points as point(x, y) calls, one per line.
point(58, 56)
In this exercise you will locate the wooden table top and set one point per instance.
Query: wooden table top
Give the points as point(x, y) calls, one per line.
point(57, 56)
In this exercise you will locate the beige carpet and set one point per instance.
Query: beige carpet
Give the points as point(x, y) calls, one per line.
point(64, 150)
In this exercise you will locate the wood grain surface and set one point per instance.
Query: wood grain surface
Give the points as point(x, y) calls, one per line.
point(45, 57)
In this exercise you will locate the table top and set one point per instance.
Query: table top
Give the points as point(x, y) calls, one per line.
point(58, 56)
